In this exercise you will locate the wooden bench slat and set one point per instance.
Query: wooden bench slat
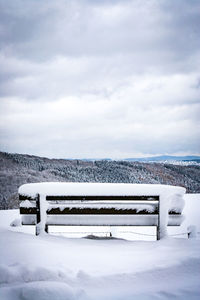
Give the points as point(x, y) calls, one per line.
point(103, 220)
point(88, 211)
point(94, 198)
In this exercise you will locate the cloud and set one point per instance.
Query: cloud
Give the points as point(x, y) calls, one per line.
point(74, 127)
point(99, 78)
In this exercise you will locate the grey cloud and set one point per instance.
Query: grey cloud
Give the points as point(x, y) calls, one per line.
point(117, 39)
point(107, 77)
point(123, 38)
point(45, 29)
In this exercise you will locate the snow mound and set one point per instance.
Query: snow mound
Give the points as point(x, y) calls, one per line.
point(41, 291)
point(16, 222)
point(48, 291)
point(51, 268)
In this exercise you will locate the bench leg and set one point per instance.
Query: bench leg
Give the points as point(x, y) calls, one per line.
point(46, 228)
point(37, 231)
point(159, 216)
point(38, 219)
point(158, 233)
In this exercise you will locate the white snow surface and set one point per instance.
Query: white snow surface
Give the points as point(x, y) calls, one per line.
point(117, 205)
point(27, 203)
point(51, 267)
point(91, 189)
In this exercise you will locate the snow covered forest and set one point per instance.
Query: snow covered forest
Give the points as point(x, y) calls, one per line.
point(17, 169)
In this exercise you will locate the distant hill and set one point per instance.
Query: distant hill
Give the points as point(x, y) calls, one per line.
point(151, 158)
point(165, 158)
point(17, 169)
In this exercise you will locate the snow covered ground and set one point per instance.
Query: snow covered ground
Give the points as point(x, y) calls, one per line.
point(62, 268)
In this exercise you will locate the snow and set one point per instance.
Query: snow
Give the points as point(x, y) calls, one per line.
point(16, 222)
point(103, 220)
point(50, 267)
point(91, 189)
point(177, 203)
point(149, 207)
point(192, 232)
point(27, 203)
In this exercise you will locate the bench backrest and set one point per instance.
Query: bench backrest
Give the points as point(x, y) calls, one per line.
point(98, 210)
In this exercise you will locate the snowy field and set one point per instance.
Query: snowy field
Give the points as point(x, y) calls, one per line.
point(64, 268)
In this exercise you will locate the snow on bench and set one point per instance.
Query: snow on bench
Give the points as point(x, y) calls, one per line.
point(110, 204)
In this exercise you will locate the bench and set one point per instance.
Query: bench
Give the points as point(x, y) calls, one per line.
point(101, 204)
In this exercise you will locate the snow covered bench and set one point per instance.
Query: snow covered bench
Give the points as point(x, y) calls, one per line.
point(110, 204)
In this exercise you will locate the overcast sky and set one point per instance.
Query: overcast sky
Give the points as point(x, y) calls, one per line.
point(94, 78)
